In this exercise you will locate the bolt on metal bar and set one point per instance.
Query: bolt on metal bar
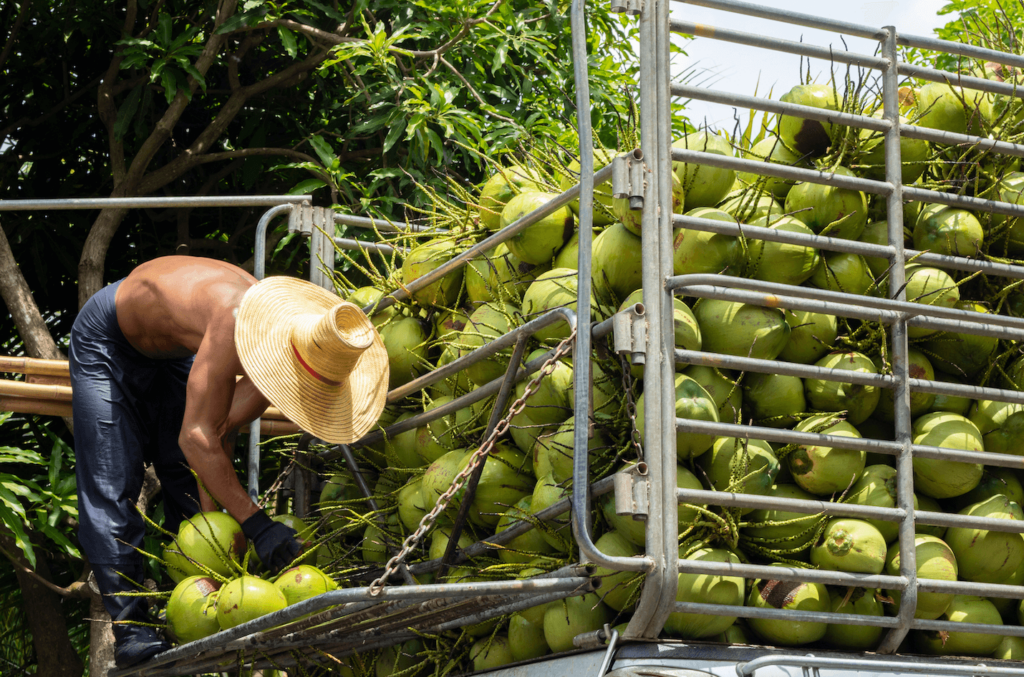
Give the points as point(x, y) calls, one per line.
point(581, 388)
point(784, 171)
point(776, 44)
point(780, 107)
point(785, 16)
point(875, 666)
point(188, 202)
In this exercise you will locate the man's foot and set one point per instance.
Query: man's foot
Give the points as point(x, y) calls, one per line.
point(136, 643)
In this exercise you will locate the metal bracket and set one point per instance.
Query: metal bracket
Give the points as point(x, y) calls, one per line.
point(630, 7)
point(631, 492)
point(304, 217)
point(629, 174)
point(629, 329)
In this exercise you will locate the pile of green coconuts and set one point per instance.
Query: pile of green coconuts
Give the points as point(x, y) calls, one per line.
point(531, 466)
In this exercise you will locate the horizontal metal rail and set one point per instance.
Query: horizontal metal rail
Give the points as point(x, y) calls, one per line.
point(808, 507)
point(875, 666)
point(184, 202)
point(360, 245)
point(763, 571)
point(383, 225)
point(962, 201)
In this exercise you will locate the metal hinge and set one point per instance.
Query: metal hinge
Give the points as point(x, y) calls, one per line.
point(631, 491)
point(304, 217)
point(630, 7)
point(629, 329)
point(628, 176)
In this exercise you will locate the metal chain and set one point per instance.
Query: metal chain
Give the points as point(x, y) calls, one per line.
point(627, 385)
point(479, 456)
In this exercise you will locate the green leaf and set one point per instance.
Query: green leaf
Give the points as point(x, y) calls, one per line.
point(306, 187)
point(170, 83)
point(288, 40)
point(15, 455)
point(126, 113)
point(163, 30)
point(393, 134)
point(60, 539)
point(323, 150)
point(9, 520)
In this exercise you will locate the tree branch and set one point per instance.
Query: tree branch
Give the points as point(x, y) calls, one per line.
point(175, 169)
point(36, 121)
point(77, 590)
point(472, 91)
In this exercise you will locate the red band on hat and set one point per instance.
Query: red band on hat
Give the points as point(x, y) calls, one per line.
point(313, 372)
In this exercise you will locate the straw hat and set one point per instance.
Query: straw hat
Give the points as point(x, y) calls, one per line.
point(315, 357)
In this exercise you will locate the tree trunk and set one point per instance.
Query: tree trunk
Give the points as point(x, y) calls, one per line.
point(22, 306)
point(94, 253)
point(101, 638)
point(54, 653)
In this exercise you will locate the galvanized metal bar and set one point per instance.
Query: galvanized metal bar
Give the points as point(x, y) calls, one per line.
point(785, 614)
point(954, 139)
point(960, 80)
point(375, 247)
point(785, 16)
point(782, 171)
point(186, 202)
point(955, 520)
point(766, 41)
point(785, 436)
point(971, 588)
point(383, 225)
point(912, 194)
point(780, 107)
point(503, 235)
point(763, 571)
point(485, 351)
point(962, 49)
point(302, 477)
point(875, 667)
point(850, 246)
point(474, 479)
point(809, 507)
point(759, 298)
point(581, 387)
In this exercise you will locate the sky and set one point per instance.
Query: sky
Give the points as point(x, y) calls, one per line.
point(739, 69)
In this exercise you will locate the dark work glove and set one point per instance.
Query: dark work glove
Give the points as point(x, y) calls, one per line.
point(276, 544)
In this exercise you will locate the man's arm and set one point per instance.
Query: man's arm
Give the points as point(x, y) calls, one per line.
point(247, 403)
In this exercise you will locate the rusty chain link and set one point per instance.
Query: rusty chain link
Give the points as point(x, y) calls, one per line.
point(479, 456)
point(627, 385)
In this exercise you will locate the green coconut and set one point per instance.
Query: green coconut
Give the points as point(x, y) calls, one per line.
point(509, 277)
point(920, 367)
point(602, 193)
point(573, 616)
point(557, 447)
point(741, 329)
point(547, 492)
point(811, 337)
point(245, 599)
point(990, 415)
point(940, 478)
point(557, 288)
point(487, 323)
point(946, 230)
point(696, 251)
point(568, 256)
point(705, 186)
point(618, 588)
point(935, 561)
point(551, 402)
point(439, 475)
point(843, 272)
point(988, 556)
point(828, 210)
point(788, 595)
point(192, 609)
point(539, 242)
point(697, 588)
point(859, 602)
point(525, 639)
point(426, 258)
point(443, 434)
point(632, 219)
point(1010, 649)
point(439, 539)
point(720, 384)
point(490, 653)
point(914, 155)
point(400, 660)
point(850, 545)
point(858, 400)
point(456, 384)
point(365, 296)
point(501, 188)
point(877, 488)
point(773, 399)
point(449, 323)
point(507, 477)
point(994, 482)
point(942, 106)
point(750, 205)
point(740, 467)
point(932, 287)
point(792, 533)
point(617, 261)
point(477, 276)
point(876, 232)
point(634, 530)
point(771, 149)
point(374, 546)
point(177, 564)
point(302, 582)
point(523, 548)
point(210, 542)
point(963, 609)
point(808, 137)
point(410, 503)
point(953, 404)
point(400, 449)
point(826, 470)
point(962, 355)
point(776, 261)
point(405, 340)
point(692, 402)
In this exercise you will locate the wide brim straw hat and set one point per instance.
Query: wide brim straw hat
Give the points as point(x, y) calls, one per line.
point(315, 357)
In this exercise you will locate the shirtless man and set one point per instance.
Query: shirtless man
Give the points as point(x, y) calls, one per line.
point(154, 362)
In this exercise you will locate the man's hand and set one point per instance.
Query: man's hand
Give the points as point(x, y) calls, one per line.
point(276, 544)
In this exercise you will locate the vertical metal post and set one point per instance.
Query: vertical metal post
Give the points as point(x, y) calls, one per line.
point(659, 592)
point(259, 269)
point(900, 359)
point(321, 257)
point(300, 499)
